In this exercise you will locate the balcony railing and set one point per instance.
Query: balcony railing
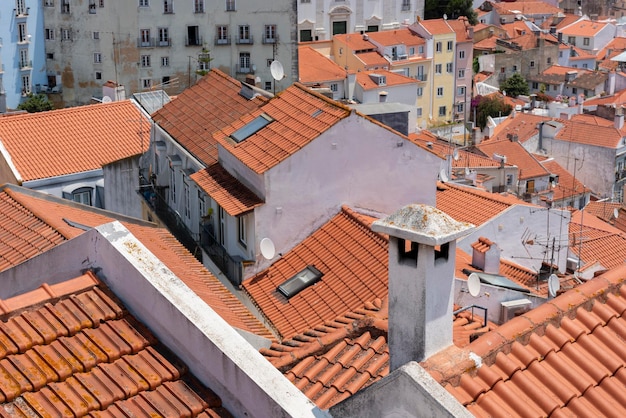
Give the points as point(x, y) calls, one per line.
point(222, 40)
point(230, 266)
point(146, 42)
point(26, 65)
point(247, 40)
point(22, 12)
point(244, 69)
point(270, 40)
point(197, 41)
point(164, 42)
point(421, 77)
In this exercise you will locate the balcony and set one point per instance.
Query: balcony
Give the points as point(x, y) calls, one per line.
point(22, 12)
point(243, 69)
point(146, 42)
point(26, 65)
point(230, 266)
point(247, 40)
point(197, 41)
point(421, 77)
point(222, 40)
point(272, 40)
point(92, 9)
point(164, 42)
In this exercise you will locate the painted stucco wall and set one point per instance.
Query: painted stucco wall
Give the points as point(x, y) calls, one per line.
point(121, 183)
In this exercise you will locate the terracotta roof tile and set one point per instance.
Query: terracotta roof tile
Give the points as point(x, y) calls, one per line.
point(46, 218)
point(226, 190)
point(355, 42)
point(565, 358)
point(109, 364)
point(515, 154)
point(73, 140)
point(392, 79)
point(316, 68)
point(583, 28)
point(345, 250)
point(601, 242)
point(524, 125)
point(372, 59)
point(209, 105)
point(299, 116)
point(436, 26)
point(617, 99)
point(590, 134)
point(528, 8)
point(402, 36)
point(443, 148)
point(567, 185)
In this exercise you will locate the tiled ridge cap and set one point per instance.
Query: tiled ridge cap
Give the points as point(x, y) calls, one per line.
point(356, 217)
point(320, 96)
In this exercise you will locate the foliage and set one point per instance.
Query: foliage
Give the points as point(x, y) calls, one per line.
point(542, 97)
point(489, 106)
point(36, 103)
point(204, 58)
point(458, 8)
point(515, 85)
point(475, 65)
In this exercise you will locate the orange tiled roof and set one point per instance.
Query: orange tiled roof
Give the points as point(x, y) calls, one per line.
point(42, 221)
point(355, 41)
point(601, 242)
point(437, 26)
point(617, 99)
point(371, 59)
point(332, 362)
point(583, 28)
point(526, 8)
point(603, 210)
point(397, 36)
point(226, 190)
point(590, 134)
point(564, 358)
point(443, 149)
point(511, 101)
point(75, 139)
point(459, 26)
point(353, 260)
point(209, 105)
point(393, 79)
point(299, 116)
point(615, 45)
point(468, 204)
point(487, 44)
point(314, 67)
point(515, 154)
point(567, 185)
point(84, 354)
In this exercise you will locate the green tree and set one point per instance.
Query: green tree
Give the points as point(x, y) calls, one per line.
point(515, 85)
point(36, 103)
point(489, 106)
point(458, 8)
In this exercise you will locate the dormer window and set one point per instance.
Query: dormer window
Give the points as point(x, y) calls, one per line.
point(303, 279)
point(251, 128)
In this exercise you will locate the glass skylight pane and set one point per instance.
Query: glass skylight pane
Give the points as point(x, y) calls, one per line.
point(300, 281)
point(251, 128)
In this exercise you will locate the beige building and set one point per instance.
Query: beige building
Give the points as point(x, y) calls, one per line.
point(147, 44)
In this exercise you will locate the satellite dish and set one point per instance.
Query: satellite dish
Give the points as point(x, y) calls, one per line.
point(267, 248)
point(445, 16)
point(106, 99)
point(467, 171)
point(276, 68)
point(616, 213)
point(473, 284)
point(443, 176)
point(554, 285)
point(455, 154)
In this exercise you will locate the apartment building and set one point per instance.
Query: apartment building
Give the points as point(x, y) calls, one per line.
point(21, 51)
point(169, 44)
point(320, 20)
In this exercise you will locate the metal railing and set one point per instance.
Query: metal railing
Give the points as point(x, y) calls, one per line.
point(244, 69)
point(197, 41)
point(222, 40)
point(472, 307)
point(246, 40)
point(146, 42)
point(230, 266)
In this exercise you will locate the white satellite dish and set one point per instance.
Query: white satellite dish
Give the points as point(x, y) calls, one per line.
point(445, 16)
point(455, 154)
point(277, 70)
point(443, 176)
point(616, 213)
point(554, 285)
point(467, 171)
point(267, 248)
point(473, 284)
point(106, 99)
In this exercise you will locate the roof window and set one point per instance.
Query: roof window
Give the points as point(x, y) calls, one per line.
point(316, 113)
point(303, 279)
point(251, 128)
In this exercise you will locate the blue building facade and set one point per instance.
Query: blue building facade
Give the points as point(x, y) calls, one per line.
point(22, 51)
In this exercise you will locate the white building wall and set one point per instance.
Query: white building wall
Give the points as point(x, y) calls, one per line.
point(56, 185)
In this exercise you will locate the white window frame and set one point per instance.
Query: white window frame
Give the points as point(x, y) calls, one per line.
point(450, 46)
point(439, 91)
point(438, 47)
point(198, 6)
point(146, 83)
point(168, 6)
point(269, 34)
point(241, 231)
point(49, 33)
point(462, 54)
point(97, 58)
point(438, 68)
point(144, 3)
point(231, 6)
point(164, 36)
point(462, 73)
point(22, 33)
point(26, 86)
point(449, 67)
point(165, 61)
point(442, 111)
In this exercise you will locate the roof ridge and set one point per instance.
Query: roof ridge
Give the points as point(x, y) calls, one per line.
point(328, 100)
point(354, 215)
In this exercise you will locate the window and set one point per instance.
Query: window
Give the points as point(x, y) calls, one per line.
point(509, 179)
point(24, 63)
point(502, 70)
point(549, 60)
point(560, 54)
point(303, 279)
point(251, 128)
point(334, 87)
point(412, 51)
point(406, 5)
point(144, 37)
point(438, 47)
point(372, 28)
point(97, 58)
point(66, 34)
point(82, 195)
point(305, 1)
point(585, 65)
point(420, 91)
point(437, 68)
point(244, 35)
point(241, 230)
point(460, 91)
point(585, 92)
point(100, 3)
point(230, 5)
point(164, 37)
point(145, 60)
point(574, 90)
point(269, 62)
point(168, 6)
point(439, 91)
point(95, 35)
point(515, 68)
point(186, 208)
point(165, 61)
point(244, 62)
point(442, 110)
point(461, 54)
point(25, 84)
point(270, 34)
point(201, 205)
point(65, 6)
point(193, 36)
point(49, 56)
point(20, 8)
point(221, 220)
point(22, 35)
point(222, 34)
point(449, 67)
point(98, 75)
point(92, 6)
point(144, 3)
point(571, 40)
point(48, 3)
point(268, 85)
point(306, 35)
point(450, 45)
point(146, 83)
point(49, 34)
point(586, 41)
point(172, 184)
point(198, 6)
point(419, 112)
point(535, 85)
point(530, 186)
point(532, 64)
point(462, 73)
point(420, 49)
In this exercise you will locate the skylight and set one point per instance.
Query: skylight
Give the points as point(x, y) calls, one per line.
point(303, 279)
point(251, 128)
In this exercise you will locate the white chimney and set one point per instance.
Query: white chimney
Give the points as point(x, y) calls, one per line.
point(486, 256)
point(422, 249)
point(619, 118)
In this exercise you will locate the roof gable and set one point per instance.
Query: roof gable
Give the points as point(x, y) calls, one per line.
point(316, 68)
point(515, 154)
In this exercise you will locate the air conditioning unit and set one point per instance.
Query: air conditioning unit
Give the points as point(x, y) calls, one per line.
point(513, 308)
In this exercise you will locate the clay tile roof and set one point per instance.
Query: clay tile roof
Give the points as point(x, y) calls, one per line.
point(355, 41)
point(332, 362)
point(316, 68)
point(73, 140)
point(515, 154)
point(299, 116)
point(353, 261)
point(392, 79)
point(567, 185)
point(226, 190)
point(590, 134)
point(614, 47)
point(459, 26)
point(444, 148)
point(617, 99)
point(526, 8)
point(486, 44)
point(437, 26)
point(601, 242)
point(583, 28)
point(84, 354)
point(371, 59)
point(209, 105)
point(564, 358)
point(482, 245)
point(603, 210)
point(41, 219)
point(396, 37)
point(468, 204)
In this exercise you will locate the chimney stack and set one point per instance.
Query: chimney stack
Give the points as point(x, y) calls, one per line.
point(619, 118)
point(486, 256)
point(422, 249)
